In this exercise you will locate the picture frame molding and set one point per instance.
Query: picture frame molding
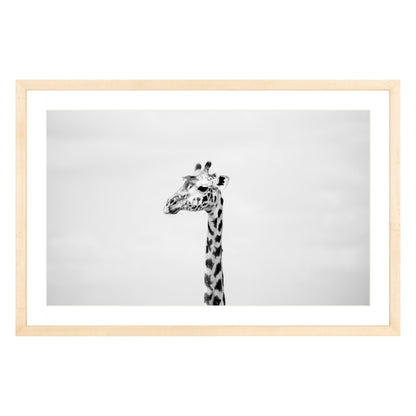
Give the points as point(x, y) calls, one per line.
point(392, 86)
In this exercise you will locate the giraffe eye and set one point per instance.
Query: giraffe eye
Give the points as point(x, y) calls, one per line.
point(202, 188)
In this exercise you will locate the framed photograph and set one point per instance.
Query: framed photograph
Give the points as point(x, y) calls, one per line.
point(207, 207)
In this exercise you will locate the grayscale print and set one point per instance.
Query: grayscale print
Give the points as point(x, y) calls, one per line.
point(202, 192)
point(272, 207)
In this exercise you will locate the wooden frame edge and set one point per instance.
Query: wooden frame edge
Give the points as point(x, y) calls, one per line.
point(21, 203)
point(172, 85)
point(394, 205)
point(22, 86)
point(210, 330)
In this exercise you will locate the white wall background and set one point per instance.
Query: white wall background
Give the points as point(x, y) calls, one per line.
point(220, 39)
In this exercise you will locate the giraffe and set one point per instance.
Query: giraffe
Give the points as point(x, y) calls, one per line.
point(202, 192)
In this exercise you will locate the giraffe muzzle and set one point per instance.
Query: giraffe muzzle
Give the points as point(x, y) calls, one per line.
point(173, 206)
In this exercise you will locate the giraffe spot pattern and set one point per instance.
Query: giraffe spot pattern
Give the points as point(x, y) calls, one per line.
point(209, 243)
point(221, 181)
point(207, 298)
point(217, 251)
point(208, 282)
point(209, 263)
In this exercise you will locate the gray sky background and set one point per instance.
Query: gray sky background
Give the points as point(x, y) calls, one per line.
point(296, 210)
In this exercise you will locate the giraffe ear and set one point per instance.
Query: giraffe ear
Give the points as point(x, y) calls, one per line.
point(222, 181)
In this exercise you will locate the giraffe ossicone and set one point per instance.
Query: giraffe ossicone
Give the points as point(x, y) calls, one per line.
point(201, 191)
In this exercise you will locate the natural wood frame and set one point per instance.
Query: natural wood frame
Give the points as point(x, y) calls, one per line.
point(392, 86)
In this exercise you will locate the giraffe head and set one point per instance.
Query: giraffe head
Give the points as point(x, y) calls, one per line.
point(200, 191)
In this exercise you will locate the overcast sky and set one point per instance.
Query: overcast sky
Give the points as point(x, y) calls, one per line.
point(296, 210)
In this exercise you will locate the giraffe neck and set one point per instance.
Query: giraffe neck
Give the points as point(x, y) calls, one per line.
point(214, 279)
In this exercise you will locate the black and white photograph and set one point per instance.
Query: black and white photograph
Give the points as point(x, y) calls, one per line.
point(208, 207)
